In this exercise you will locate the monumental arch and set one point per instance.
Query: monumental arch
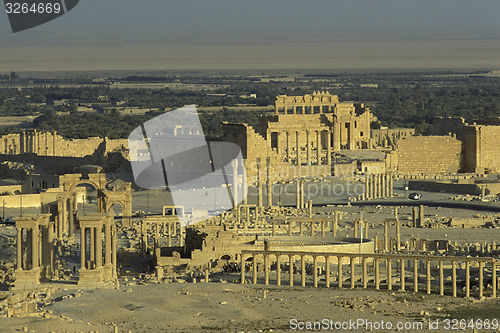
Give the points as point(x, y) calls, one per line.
point(66, 201)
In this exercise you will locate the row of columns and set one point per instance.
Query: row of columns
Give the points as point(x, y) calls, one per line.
point(341, 258)
point(379, 186)
point(31, 141)
point(35, 249)
point(91, 255)
point(308, 146)
point(66, 209)
point(329, 109)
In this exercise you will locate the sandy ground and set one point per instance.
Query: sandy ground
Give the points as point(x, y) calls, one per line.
point(228, 307)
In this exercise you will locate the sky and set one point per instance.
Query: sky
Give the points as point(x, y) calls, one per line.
point(232, 34)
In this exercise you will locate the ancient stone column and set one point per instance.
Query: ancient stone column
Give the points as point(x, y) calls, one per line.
point(334, 224)
point(367, 187)
point(454, 277)
point(377, 275)
point(339, 266)
point(391, 185)
point(60, 219)
point(83, 250)
point(266, 269)
point(169, 226)
point(302, 201)
point(389, 273)
point(71, 219)
point(92, 244)
point(373, 191)
point(308, 142)
point(415, 275)
point(298, 194)
point(402, 277)
point(494, 279)
point(365, 274)
point(386, 236)
point(382, 185)
point(398, 236)
point(297, 144)
point(278, 270)
point(288, 145)
point(467, 279)
point(420, 216)
point(378, 180)
point(242, 269)
point(351, 261)
point(414, 216)
point(29, 250)
point(98, 240)
point(54, 148)
point(51, 247)
point(269, 184)
point(336, 135)
point(113, 249)
point(318, 147)
point(428, 276)
point(351, 143)
point(290, 269)
point(294, 109)
point(245, 183)
point(327, 271)
point(441, 278)
point(19, 248)
point(481, 273)
point(259, 184)
point(234, 164)
point(396, 212)
point(107, 247)
point(329, 150)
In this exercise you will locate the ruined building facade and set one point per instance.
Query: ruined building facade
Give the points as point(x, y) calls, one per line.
point(52, 144)
point(302, 134)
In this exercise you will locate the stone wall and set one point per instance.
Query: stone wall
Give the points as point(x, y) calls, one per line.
point(385, 137)
point(482, 149)
point(52, 144)
point(426, 154)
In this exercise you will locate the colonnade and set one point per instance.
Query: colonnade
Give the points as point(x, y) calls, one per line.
point(92, 268)
point(310, 134)
point(163, 225)
point(379, 185)
point(466, 265)
point(35, 249)
point(305, 109)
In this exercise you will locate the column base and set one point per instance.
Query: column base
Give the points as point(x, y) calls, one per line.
point(91, 277)
point(26, 279)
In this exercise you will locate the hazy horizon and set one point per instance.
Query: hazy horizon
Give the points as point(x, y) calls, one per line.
point(280, 34)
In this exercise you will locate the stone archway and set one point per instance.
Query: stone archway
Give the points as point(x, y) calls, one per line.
point(67, 203)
